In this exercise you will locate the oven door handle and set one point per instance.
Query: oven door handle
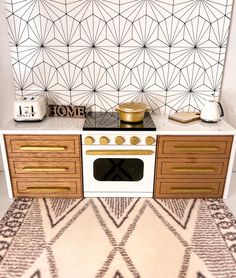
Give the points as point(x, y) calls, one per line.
point(119, 152)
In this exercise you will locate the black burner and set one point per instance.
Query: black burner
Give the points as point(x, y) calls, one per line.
point(110, 121)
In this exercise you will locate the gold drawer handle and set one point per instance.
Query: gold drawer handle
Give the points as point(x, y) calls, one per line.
point(119, 152)
point(45, 169)
point(194, 170)
point(47, 188)
point(193, 189)
point(197, 148)
point(43, 148)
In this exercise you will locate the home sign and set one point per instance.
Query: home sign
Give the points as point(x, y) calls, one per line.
point(66, 111)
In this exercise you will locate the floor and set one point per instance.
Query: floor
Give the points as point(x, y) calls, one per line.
point(5, 201)
point(231, 201)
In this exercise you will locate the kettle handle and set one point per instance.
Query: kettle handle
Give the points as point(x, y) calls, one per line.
point(221, 110)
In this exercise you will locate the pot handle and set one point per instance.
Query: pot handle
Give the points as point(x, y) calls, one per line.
point(221, 109)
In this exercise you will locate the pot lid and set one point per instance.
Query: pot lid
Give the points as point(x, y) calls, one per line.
point(133, 106)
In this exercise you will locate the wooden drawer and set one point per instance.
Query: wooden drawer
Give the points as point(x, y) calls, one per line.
point(189, 188)
point(43, 145)
point(45, 167)
point(194, 146)
point(190, 168)
point(47, 187)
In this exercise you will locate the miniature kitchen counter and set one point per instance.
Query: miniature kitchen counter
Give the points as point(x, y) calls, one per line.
point(164, 126)
point(72, 129)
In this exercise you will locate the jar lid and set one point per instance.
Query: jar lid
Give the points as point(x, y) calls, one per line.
point(133, 106)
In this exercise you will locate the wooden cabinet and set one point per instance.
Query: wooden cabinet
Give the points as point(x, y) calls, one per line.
point(191, 166)
point(45, 165)
point(194, 146)
point(43, 145)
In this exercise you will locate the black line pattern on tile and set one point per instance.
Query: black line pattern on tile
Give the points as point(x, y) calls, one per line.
point(168, 54)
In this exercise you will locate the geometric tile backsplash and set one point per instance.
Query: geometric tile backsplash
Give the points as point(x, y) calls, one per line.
point(169, 54)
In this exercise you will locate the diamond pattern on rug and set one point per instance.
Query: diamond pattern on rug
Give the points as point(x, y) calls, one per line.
point(199, 275)
point(118, 275)
point(192, 264)
point(57, 209)
point(12, 222)
point(36, 275)
point(40, 267)
point(144, 243)
point(66, 217)
point(118, 267)
point(225, 222)
point(28, 243)
point(208, 246)
point(90, 247)
point(118, 209)
point(179, 209)
point(149, 244)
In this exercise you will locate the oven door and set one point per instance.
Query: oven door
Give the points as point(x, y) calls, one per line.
point(119, 171)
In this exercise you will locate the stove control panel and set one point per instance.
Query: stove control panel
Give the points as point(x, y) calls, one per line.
point(119, 140)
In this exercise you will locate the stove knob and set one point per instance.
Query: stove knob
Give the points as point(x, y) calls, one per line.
point(119, 140)
point(150, 140)
point(134, 140)
point(89, 140)
point(104, 140)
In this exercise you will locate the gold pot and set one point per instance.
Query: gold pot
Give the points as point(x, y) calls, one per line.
point(131, 125)
point(132, 112)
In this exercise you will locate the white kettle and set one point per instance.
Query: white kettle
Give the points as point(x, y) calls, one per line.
point(212, 111)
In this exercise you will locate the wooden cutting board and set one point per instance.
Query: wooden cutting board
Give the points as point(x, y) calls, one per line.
point(185, 117)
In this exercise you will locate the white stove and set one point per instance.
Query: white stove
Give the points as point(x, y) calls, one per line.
point(118, 162)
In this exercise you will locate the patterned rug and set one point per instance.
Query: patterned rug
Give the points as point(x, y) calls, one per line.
point(117, 238)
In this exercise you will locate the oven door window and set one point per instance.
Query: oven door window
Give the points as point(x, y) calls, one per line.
point(118, 169)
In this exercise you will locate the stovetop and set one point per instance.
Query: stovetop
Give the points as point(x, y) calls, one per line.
point(111, 121)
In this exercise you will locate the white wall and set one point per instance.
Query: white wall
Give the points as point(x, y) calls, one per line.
point(228, 95)
point(7, 93)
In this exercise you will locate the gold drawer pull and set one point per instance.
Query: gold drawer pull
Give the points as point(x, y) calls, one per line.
point(193, 170)
point(42, 148)
point(193, 189)
point(45, 169)
point(119, 152)
point(47, 188)
point(197, 148)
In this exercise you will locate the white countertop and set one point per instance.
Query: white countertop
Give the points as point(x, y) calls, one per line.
point(164, 126)
point(50, 125)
